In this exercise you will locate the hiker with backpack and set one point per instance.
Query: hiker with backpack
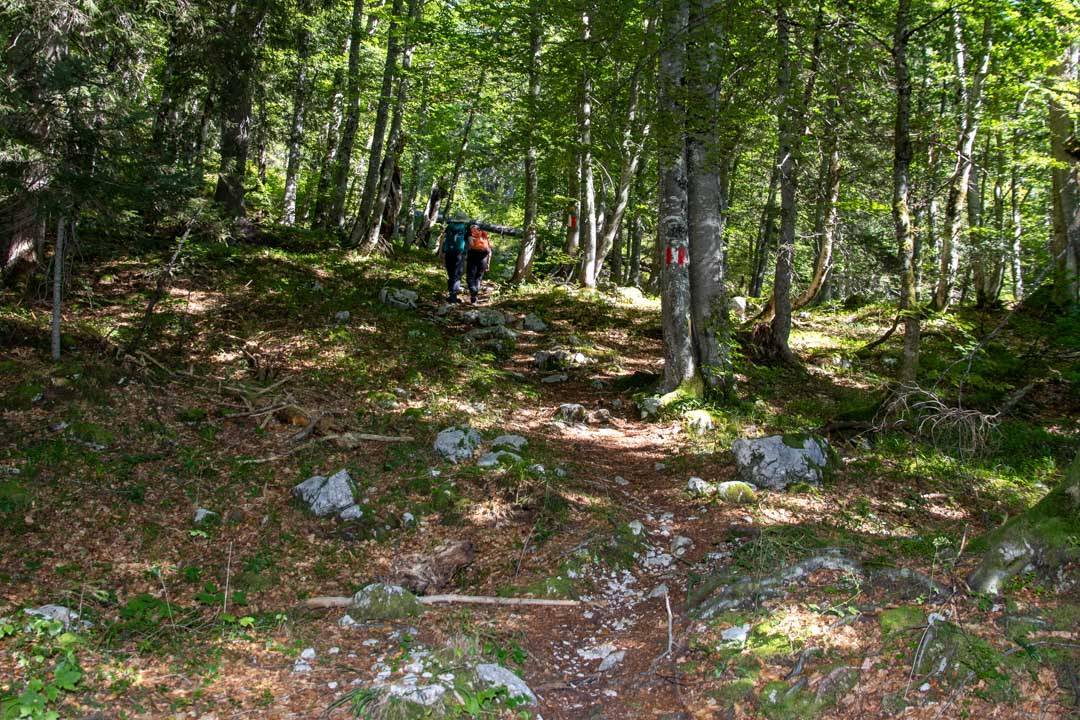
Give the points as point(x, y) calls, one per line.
point(455, 242)
point(478, 260)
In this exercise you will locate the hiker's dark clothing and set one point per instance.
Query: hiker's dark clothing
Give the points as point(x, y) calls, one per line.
point(455, 264)
point(453, 249)
point(477, 263)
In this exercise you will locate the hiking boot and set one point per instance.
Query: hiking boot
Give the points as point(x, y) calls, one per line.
point(472, 299)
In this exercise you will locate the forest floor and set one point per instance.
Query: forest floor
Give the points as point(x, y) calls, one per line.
point(105, 458)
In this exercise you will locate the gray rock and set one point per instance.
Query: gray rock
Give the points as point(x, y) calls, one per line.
point(64, 615)
point(326, 496)
point(399, 298)
point(571, 412)
point(556, 378)
point(514, 442)
point(353, 512)
point(491, 332)
point(346, 621)
point(426, 695)
point(497, 676)
point(699, 421)
point(485, 317)
point(611, 660)
point(342, 316)
point(620, 480)
point(307, 654)
point(777, 461)
point(649, 407)
point(537, 469)
point(379, 601)
point(601, 416)
point(534, 323)
point(680, 544)
point(636, 527)
point(561, 473)
point(558, 359)
point(202, 515)
point(697, 486)
point(496, 458)
point(736, 634)
point(457, 444)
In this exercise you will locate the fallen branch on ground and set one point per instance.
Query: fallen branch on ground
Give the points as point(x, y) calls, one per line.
point(335, 601)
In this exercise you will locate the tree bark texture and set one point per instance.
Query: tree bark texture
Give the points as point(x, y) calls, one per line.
point(523, 265)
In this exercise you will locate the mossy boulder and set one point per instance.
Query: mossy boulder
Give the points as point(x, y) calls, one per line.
point(1046, 538)
point(698, 421)
point(777, 461)
point(954, 656)
point(780, 701)
point(736, 492)
point(379, 601)
point(896, 621)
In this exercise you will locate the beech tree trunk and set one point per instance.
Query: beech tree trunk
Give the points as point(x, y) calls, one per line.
point(396, 142)
point(632, 143)
point(459, 160)
point(766, 236)
point(971, 97)
point(419, 157)
point(296, 126)
point(587, 269)
point(235, 101)
point(352, 119)
point(365, 218)
point(1017, 224)
point(523, 265)
point(902, 155)
point(1065, 177)
point(680, 368)
point(710, 327)
point(788, 121)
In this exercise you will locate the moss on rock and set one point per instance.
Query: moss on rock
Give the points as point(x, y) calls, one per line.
point(384, 602)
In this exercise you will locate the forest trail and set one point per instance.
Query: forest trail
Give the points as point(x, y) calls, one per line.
point(615, 655)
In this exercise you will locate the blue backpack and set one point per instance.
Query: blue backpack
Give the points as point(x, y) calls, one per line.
point(456, 235)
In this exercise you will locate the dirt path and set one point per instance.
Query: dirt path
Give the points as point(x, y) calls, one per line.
point(611, 659)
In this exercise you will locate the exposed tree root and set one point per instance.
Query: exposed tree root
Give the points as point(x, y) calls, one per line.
point(750, 592)
point(336, 601)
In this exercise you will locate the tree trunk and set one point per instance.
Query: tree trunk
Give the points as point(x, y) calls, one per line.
point(826, 217)
point(573, 224)
point(396, 141)
point(636, 230)
point(710, 326)
point(971, 105)
point(58, 285)
point(431, 212)
point(680, 369)
point(587, 269)
point(296, 126)
point(459, 160)
point(1065, 176)
point(523, 266)
point(322, 212)
point(789, 119)
point(418, 158)
point(336, 215)
point(902, 155)
point(766, 233)
point(235, 101)
point(365, 218)
point(632, 144)
point(1017, 225)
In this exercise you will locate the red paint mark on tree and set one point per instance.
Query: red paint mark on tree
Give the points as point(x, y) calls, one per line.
point(573, 221)
point(682, 256)
point(670, 255)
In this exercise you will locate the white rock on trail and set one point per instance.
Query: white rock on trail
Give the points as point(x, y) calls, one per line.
point(496, 458)
point(697, 486)
point(556, 378)
point(342, 316)
point(399, 298)
point(202, 515)
point(514, 442)
point(457, 444)
point(326, 495)
point(64, 615)
point(777, 461)
point(571, 413)
point(497, 676)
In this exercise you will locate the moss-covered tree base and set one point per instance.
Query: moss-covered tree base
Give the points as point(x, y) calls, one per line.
point(1045, 538)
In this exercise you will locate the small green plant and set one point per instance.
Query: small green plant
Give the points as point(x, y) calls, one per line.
point(47, 653)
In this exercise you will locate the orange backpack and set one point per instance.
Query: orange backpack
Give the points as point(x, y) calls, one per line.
point(478, 239)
